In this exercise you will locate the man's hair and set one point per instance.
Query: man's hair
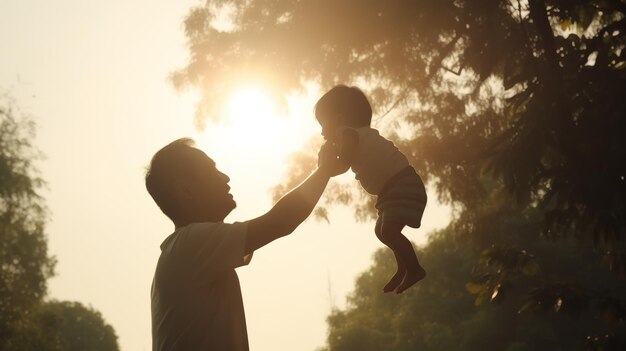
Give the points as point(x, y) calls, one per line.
point(167, 166)
point(349, 102)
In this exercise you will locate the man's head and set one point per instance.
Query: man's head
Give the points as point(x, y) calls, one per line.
point(343, 106)
point(187, 186)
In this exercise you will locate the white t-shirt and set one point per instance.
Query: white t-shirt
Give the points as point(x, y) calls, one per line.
point(196, 297)
point(376, 160)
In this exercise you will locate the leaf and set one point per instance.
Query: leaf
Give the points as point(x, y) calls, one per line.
point(531, 268)
point(496, 294)
point(565, 25)
point(474, 288)
point(584, 17)
point(479, 300)
point(321, 213)
point(558, 303)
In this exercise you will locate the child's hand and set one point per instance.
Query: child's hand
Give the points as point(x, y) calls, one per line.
point(328, 160)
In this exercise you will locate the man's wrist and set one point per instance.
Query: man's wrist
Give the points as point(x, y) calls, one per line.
point(323, 172)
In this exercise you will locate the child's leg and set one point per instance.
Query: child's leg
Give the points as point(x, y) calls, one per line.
point(402, 248)
point(400, 271)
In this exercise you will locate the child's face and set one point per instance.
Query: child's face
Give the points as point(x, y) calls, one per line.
point(329, 128)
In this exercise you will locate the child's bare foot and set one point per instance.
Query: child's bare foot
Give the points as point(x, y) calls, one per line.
point(411, 277)
point(395, 281)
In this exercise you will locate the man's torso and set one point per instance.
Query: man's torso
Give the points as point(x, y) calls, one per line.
point(193, 306)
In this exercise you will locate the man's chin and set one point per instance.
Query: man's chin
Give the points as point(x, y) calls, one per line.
point(231, 206)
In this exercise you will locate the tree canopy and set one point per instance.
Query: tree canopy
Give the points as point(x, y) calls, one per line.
point(445, 312)
point(24, 262)
point(27, 321)
point(529, 92)
point(513, 110)
point(63, 325)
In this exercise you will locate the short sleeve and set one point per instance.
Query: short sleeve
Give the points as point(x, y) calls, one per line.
point(214, 248)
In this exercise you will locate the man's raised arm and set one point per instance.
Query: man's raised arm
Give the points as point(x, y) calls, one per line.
point(293, 208)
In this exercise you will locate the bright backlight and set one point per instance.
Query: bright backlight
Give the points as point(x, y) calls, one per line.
point(253, 140)
point(251, 117)
point(249, 104)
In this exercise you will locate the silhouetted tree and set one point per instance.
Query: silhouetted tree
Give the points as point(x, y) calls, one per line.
point(81, 328)
point(438, 315)
point(530, 91)
point(27, 322)
point(24, 261)
point(66, 326)
point(507, 107)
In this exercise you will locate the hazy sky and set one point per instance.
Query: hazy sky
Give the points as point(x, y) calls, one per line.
point(93, 75)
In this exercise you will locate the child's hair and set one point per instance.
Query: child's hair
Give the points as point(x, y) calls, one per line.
point(167, 166)
point(348, 102)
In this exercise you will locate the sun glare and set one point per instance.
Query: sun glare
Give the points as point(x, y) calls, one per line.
point(254, 135)
point(251, 117)
point(250, 107)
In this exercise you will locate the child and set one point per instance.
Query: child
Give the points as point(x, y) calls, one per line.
point(345, 116)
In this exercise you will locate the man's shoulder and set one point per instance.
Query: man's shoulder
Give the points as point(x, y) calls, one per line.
point(206, 230)
point(204, 227)
point(207, 248)
point(205, 236)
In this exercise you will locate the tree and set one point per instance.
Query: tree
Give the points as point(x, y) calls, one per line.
point(82, 328)
point(62, 325)
point(79, 327)
point(24, 261)
point(438, 315)
point(27, 321)
point(530, 91)
point(507, 107)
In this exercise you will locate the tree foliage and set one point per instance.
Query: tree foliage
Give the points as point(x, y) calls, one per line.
point(27, 321)
point(24, 261)
point(445, 312)
point(513, 110)
point(79, 327)
point(531, 92)
point(62, 325)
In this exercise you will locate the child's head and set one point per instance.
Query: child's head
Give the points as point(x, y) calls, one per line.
point(343, 106)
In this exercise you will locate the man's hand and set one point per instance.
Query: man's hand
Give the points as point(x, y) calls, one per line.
point(293, 208)
point(329, 162)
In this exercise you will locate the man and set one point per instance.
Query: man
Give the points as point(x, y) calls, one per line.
point(196, 297)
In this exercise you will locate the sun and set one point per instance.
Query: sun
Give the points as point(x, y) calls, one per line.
point(245, 101)
point(250, 110)
point(254, 135)
point(254, 141)
point(252, 119)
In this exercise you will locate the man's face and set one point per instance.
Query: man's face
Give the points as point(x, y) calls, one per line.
point(210, 192)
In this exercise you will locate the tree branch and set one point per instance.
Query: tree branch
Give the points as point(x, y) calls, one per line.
point(552, 68)
point(523, 27)
point(443, 53)
point(539, 16)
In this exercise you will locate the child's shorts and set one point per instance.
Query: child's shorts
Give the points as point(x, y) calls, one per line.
point(402, 199)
